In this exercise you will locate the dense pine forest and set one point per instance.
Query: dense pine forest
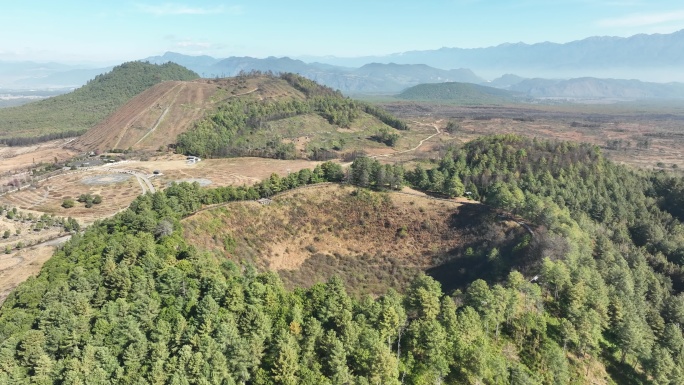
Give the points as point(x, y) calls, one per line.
point(596, 284)
point(72, 114)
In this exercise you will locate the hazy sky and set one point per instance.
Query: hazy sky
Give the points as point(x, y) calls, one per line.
point(114, 31)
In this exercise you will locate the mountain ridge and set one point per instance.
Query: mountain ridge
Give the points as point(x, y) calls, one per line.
point(369, 78)
point(649, 58)
point(596, 56)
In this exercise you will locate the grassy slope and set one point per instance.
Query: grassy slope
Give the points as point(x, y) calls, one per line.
point(313, 131)
point(86, 106)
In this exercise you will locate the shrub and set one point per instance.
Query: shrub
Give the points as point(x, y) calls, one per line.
point(387, 137)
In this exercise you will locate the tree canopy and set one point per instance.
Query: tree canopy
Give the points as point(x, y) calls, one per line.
point(598, 280)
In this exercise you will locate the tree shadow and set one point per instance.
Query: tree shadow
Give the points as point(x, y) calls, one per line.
point(482, 231)
point(622, 373)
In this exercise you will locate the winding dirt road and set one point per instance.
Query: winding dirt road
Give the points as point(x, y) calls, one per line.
point(433, 125)
point(161, 117)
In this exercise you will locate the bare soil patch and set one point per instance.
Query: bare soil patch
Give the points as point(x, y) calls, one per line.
point(48, 196)
point(221, 172)
point(105, 179)
point(152, 119)
point(20, 158)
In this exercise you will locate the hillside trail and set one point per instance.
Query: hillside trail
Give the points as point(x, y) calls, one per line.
point(433, 125)
point(171, 103)
point(238, 95)
point(161, 117)
point(245, 93)
point(138, 115)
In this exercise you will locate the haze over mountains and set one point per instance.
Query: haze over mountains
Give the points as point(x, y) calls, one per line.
point(655, 58)
point(648, 58)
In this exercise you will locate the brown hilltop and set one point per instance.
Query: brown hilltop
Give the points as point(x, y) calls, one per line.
point(155, 117)
point(371, 240)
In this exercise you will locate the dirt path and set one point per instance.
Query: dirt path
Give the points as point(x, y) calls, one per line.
point(244, 93)
point(433, 125)
point(142, 185)
point(55, 241)
point(125, 129)
point(391, 154)
point(145, 180)
point(161, 117)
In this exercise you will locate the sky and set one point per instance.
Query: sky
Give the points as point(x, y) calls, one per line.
point(111, 32)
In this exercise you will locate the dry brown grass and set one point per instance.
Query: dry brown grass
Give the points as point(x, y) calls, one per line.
point(18, 159)
point(329, 220)
point(592, 124)
point(221, 172)
point(48, 196)
point(373, 240)
point(17, 267)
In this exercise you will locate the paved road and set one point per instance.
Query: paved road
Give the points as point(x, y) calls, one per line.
point(145, 180)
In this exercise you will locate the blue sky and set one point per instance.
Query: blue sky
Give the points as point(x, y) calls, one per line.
point(115, 31)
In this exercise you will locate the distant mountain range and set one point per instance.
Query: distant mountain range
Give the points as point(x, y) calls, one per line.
point(586, 63)
point(513, 89)
point(592, 88)
point(369, 78)
point(656, 57)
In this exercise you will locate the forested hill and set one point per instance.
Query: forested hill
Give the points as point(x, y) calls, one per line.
point(73, 113)
point(462, 93)
point(130, 301)
point(249, 125)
